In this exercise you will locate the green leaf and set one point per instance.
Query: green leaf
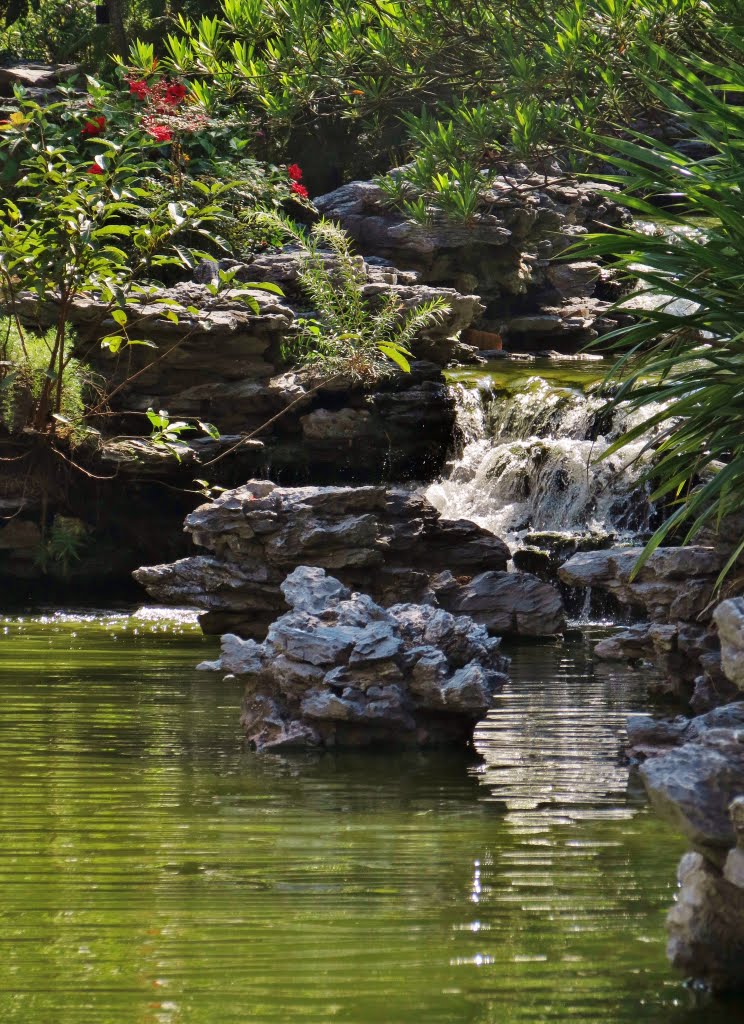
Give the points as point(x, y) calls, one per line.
point(113, 342)
point(210, 429)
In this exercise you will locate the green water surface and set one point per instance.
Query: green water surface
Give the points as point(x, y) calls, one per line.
point(152, 871)
point(511, 374)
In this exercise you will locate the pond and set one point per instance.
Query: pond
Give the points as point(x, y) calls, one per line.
point(153, 870)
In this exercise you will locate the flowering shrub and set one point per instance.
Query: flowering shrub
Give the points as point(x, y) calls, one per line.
point(110, 228)
point(94, 127)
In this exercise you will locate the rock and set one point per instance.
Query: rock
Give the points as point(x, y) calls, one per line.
point(338, 670)
point(706, 926)
point(509, 602)
point(215, 359)
point(729, 618)
point(21, 537)
point(311, 591)
point(390, 541)
point(378, 642)
point(503, 255)
point(693, 786)
point(575, 279)
point(656, 587)
point(653, 734)
point(33, 75)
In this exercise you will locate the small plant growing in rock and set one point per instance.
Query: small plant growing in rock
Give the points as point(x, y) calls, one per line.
point(63, 544)
point(346, 336)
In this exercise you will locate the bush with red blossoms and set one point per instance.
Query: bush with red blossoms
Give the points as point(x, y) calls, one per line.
point(139, 88)
point(94, 127)
point(159, 132)
point(295, 172)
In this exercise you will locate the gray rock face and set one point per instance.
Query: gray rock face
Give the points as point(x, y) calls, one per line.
point(729, 618)
point(508, 602)
point(217, 359)
point(674, 590)
point(32, 75)
point(706, 925)
point(504, 255)
point(339, 670)
point(656, 588)
point(388, 542)
point(694, 784)
point(694, 775)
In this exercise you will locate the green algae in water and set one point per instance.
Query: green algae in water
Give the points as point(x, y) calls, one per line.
point(153, 871)
point(513, 374)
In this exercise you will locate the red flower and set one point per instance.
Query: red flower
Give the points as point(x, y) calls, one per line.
point(94, 127)
point(160, 132)
point(295, 172)
point(300, 190)
point(95, 169)
point(175, 93)
point(139, 88)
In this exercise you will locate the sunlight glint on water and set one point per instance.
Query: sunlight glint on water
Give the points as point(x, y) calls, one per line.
point(154, 871)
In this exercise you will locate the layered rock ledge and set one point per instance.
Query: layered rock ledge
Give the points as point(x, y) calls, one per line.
point(673, 593)
point(505, 254)
point(693, 771)
point(338, 670)
point(390, 543)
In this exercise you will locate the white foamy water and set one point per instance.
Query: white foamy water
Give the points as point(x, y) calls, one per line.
point(530, 461)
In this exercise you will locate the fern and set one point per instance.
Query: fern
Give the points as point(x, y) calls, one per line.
point(345, 335)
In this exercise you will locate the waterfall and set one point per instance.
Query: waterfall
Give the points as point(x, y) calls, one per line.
point(529, 463)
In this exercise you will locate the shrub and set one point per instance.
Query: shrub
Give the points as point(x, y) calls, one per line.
point(345, 336)
point(27, 356)
point(684, 349)
point(452, 87)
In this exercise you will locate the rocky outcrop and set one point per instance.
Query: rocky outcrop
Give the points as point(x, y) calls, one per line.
point(504, 254)
point(674, 591)
point(693, 771)
point(214, 358)
point(729, 620)
point(338, 670)
point(39, 80)
point(390, 543)
point(706, 925)
point(674, 584)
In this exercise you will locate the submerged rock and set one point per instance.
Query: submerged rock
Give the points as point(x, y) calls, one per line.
point(339, 670)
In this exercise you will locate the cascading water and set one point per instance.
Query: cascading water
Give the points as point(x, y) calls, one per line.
point(529, 463)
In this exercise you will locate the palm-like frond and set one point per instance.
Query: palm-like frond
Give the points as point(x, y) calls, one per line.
point(682, 359)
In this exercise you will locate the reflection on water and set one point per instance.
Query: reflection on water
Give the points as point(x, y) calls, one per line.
point(153, 871)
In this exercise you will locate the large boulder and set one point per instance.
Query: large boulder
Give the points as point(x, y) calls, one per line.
point(508, 603)
point(706, 924)
point(729, 618)
point(694, 775)
point(215, 358)
point(693, 785)
point(504, 253)
point(340, 670)
point(389, 542)
point(674, 583)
